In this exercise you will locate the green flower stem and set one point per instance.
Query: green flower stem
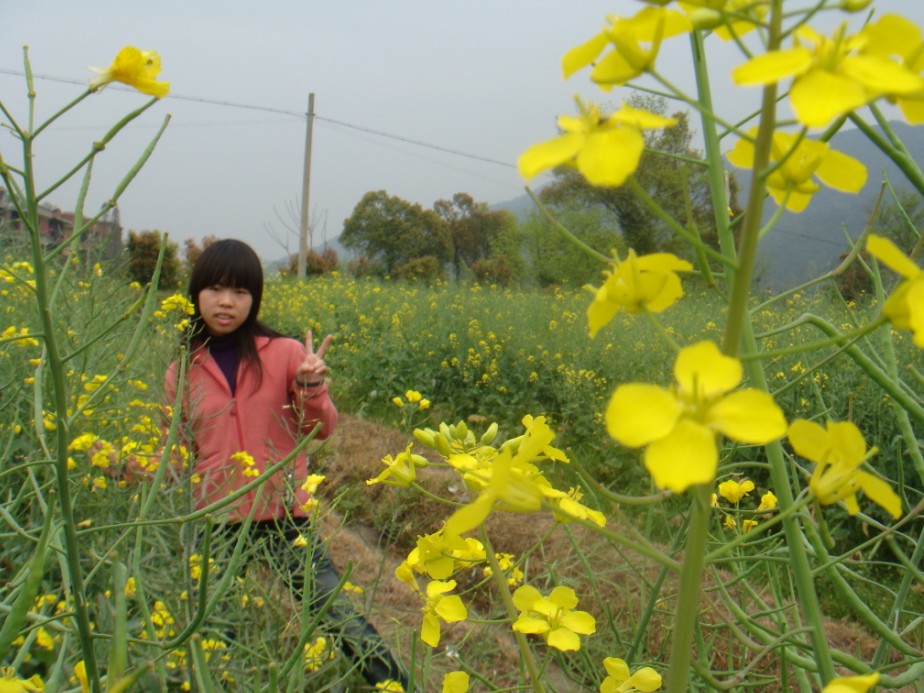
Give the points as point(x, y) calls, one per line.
point(500, 579)
point(659, 212)
point(686, 615)
point(850, 598)
point(713, 152)
point(94, 151)
point(912, 573)
point(891, 146)
point(739, 338)
point(59, 399)
point(748, 537)
point(903, 397)
point(839, 339)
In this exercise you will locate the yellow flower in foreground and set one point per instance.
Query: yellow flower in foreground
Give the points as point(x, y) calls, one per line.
point(893, 35)
point(678, 424)
point(400, 470)
point(635, 40)
point(800, 161)
point(440, 606)
point(852, 684)
point(619, 680)
point(136, 68)
point(605, 149)
point(905, 307)
point(456, 682)
point(838, 450)
point(732, 491)
point(389, 686)
point(768, 501)
point(11, 683)
point(831, 76)
point(635, 285)
point(553, 617)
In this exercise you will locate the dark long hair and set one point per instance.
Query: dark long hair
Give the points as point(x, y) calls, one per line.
point(232, 263)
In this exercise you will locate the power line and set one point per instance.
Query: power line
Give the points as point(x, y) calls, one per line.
point(418, 143)
point(270, 109)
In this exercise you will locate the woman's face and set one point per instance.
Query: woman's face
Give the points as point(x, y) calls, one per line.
point(224, 308)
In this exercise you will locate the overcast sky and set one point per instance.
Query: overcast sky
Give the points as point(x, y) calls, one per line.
point(420, 98)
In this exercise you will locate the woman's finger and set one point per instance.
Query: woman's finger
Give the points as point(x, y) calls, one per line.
point(324, 346)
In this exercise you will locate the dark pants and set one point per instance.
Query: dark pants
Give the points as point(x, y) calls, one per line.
point(359, 640)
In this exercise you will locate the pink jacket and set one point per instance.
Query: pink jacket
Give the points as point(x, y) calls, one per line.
point(264, 419)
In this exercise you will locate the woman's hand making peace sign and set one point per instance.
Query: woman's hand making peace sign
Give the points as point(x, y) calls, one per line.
point(312, 370)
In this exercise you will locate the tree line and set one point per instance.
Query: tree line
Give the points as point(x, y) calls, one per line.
point(463, 239)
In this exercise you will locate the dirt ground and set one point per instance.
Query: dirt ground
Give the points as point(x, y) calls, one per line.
point(371, 529)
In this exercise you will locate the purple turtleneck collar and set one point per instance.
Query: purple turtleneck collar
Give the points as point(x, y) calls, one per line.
point(223, 349)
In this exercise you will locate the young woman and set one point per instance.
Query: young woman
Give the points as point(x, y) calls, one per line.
point(250, 395)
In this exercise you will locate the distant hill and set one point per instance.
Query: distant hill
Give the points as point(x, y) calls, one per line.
point(802, 245)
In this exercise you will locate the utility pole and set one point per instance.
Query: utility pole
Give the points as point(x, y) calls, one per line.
point(306, 184)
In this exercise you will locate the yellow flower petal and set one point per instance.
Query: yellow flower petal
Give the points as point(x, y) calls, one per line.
point(580, 622)
point(916, 311)
point(531, 624)
point(645, 680)
point(612, 69)
point(748, 416)
point(889, 254)
point(687, 457)
point(545, 155)
point(880, 493)
point(564, 640)
point(451, 609)
point(583, 55)
point(819, 96)
point(772, 67)
point(808, 439)
point(609, 157)
point(704, 370)
point(841, 172)
point(639, 413)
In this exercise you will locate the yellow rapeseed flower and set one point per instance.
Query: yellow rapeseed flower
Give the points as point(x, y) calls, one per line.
point(768, 501)
point(620, 680)
point(797, 161)
point(635, 285)
point(400, 470)
point(605, 149)
point(895, 36)
point(553, 618)
point(831, 76)
point(678, 425)
point(440, 606)
point(733, 491)
point(838, 450)
point(905, 307)
point(635, 40)
point(136, 68)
